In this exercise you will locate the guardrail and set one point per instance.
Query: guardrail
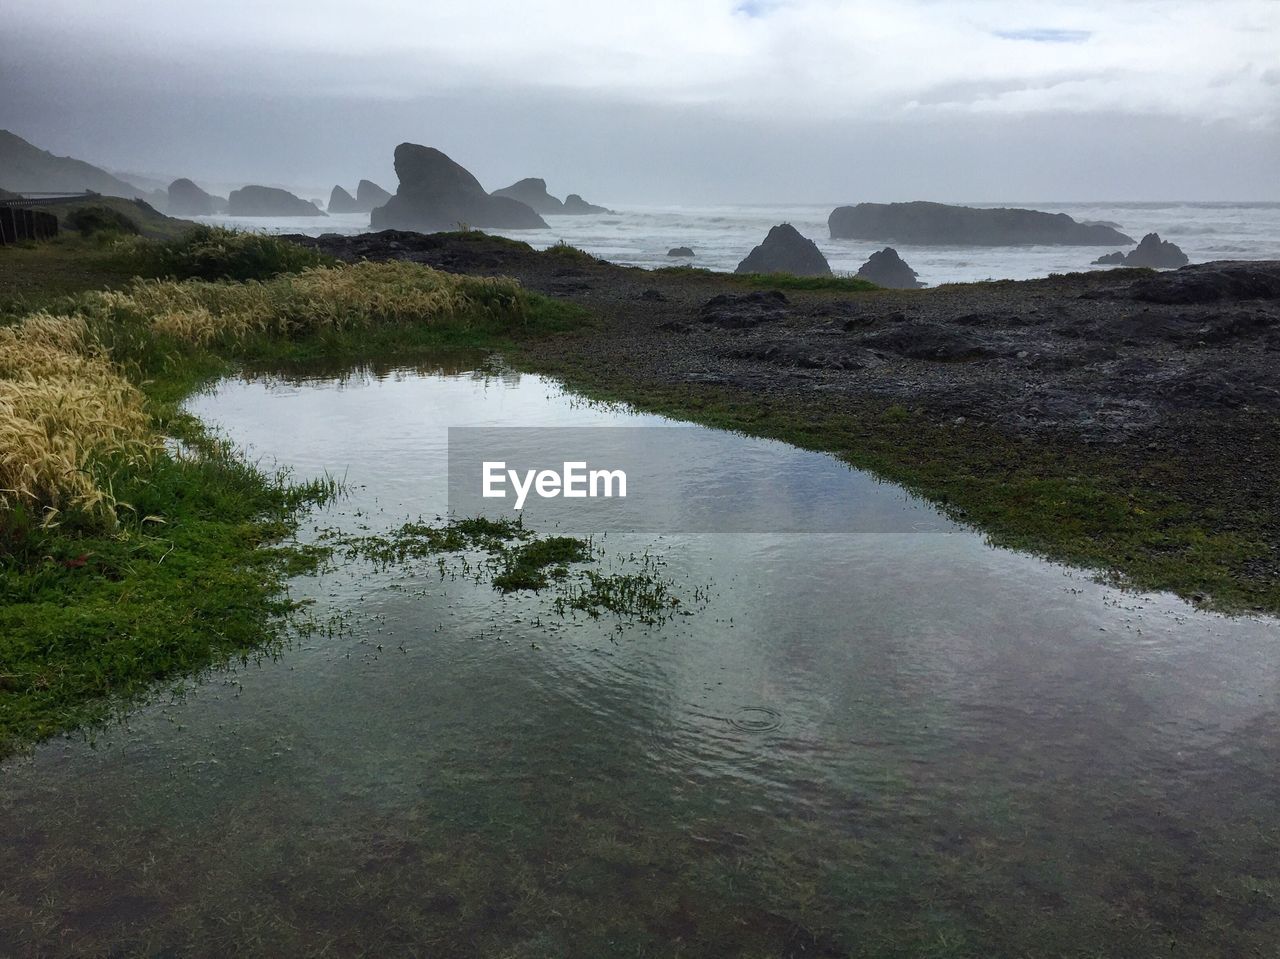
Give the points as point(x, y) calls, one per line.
point(18, 224)
point(48, 199)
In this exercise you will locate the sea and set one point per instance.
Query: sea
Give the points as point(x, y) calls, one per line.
point(721, 236)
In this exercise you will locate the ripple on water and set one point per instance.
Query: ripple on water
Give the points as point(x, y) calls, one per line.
point(756, 719)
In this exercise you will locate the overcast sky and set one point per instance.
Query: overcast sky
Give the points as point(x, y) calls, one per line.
point(667, 101)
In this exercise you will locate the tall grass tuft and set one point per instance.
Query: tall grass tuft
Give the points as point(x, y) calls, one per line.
point(68, 420)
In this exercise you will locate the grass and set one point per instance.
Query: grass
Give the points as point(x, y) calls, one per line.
point(106, 522)
point(787, 281)
point(148, 221)
point(215, 253)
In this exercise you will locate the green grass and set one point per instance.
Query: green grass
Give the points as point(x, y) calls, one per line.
point(215, 253)
point(1133, 520)
point(149, 221)
point(787, 281)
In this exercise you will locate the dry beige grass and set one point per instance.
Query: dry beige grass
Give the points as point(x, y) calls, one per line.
point(340, 298)
point(69, 416)
point(65, 411)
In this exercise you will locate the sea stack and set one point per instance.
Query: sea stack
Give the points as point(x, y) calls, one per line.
point(437, 194)
point(187, 199)
point(340, 201)
point(784, 250)
point(532, 192)
point(1152, 252)
point(937, 224)
point(887, 269)
point(577, 206)
point(269, 201)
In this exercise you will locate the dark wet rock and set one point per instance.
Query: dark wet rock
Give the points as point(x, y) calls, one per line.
point(532, 192)
point(784, 250)
point(437, 194)
point(577, 206)
point(742, 312)
point(802, 355)
point(942, 224)
point(886, 268)
point(269, 201)
point(466, 252)
point(653, 296)
point(1153, 253)
point(187, 199)
point(1157, 254)
point(1211, 282)
point(675, 326)
point(930, 341)
point(680, 251)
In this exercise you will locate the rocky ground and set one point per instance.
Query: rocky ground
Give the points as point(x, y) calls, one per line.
point(1113, 357)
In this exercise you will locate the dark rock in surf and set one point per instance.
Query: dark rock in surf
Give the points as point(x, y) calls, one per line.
point(1110, 259)
point(1157, 254)
point(437, 194)
point(886, 268)
point(784, 250)
point(577, 206)
point(941, 224)
point(680, 251)
point(532, 192)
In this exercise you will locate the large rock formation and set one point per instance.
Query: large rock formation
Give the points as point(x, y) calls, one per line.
point(576, 205)
point(269, 201)
point(187, 199)
point(941, 225)
point(1152, 252)
point(784, 250)
point(340, 201)
point(368, 197)
point(438, 194)
point(532, 192)
point(680, 251)
point(886, 268)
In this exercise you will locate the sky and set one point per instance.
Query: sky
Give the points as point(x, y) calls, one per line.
point(667, 101)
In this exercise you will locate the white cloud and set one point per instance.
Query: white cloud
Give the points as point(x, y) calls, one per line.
point(808, 59)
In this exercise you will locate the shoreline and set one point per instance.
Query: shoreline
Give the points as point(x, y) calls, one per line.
point(1076, 417)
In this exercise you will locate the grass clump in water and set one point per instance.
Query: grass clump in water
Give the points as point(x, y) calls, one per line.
point(535, 564)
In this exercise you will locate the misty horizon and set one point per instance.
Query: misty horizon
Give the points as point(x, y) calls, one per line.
point(680, 104)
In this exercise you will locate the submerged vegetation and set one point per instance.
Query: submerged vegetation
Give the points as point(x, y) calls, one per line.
point(516, 560)
point(113, 502)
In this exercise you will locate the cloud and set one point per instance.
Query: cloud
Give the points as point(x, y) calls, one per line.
point(834, 59)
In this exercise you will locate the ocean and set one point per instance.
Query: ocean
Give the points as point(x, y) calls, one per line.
point(722, 235)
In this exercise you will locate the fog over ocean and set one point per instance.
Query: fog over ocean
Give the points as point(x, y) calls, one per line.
point(722, 235)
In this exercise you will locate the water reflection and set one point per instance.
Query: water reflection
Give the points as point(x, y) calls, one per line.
point(877, 744)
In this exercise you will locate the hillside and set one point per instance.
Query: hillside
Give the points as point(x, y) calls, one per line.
point(27, 168)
